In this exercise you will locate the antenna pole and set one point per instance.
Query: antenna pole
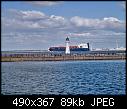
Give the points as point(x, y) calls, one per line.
point(116, 44)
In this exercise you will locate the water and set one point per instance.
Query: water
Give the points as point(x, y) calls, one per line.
point(64, 77)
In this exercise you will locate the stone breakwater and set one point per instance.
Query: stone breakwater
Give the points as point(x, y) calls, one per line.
point(47, 57)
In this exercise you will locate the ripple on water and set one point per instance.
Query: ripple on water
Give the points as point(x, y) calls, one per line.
point(68, 77)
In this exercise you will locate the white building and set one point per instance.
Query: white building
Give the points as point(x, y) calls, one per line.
point(67, 51)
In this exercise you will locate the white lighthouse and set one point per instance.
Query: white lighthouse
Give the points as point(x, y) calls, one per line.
point(67, 51)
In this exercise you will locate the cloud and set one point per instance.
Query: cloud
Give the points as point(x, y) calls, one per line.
point(79, 21)
point(19, 19)
point(80, 34)
point(44, 3)
point(105, 23)
point(32, 20)
point(123, 4)
point(26, 15)
point(97, 33)
point(57, 18)
point(32, 14)
point(34, 29)
point(111, 19)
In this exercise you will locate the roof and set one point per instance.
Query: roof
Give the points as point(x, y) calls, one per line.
point(67, 39)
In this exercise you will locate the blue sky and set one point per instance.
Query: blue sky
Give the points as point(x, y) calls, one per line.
point(39, 25)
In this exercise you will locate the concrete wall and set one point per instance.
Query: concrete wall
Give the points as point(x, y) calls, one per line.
point(61, 58)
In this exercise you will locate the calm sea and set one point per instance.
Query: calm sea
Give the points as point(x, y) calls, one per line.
point(64, 77)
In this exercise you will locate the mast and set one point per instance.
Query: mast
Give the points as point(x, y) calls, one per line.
point(116, 44)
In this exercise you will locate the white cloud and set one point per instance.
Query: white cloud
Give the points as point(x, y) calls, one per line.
point(97, 33)
point(58, 18)
point(19, 19)
point(37, 28)
point(33, 19)
point(15, 24)
point(80, 34)
point(26, 15)
point(32, 14)
point(79, 21)
point(111, 19)
point(106, 23)
point(43, 3)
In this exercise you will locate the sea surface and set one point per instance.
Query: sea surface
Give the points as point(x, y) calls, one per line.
point(106, 77)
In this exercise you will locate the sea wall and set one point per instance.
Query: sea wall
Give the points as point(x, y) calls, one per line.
point(61, 58)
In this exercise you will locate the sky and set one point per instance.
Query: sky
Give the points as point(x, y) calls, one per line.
point(38, 25)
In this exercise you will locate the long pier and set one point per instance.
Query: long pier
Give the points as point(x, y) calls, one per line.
point(14, 57)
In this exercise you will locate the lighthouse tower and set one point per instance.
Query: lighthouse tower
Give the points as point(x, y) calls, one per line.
point(67, 51)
